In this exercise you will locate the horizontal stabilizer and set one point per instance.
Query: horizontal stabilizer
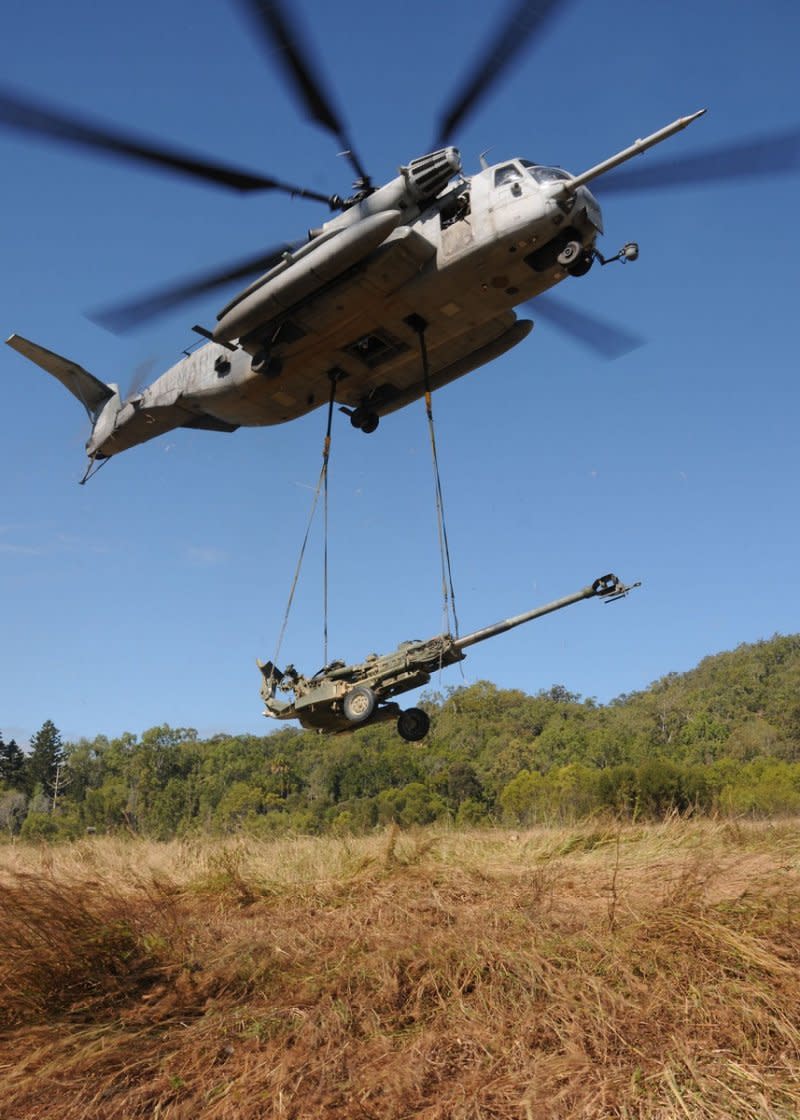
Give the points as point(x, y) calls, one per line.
point(91, 392)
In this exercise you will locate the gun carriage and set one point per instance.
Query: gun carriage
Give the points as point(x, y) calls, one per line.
point(343, 697)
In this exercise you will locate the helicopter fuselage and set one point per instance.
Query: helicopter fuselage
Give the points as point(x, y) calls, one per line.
point(349, 303)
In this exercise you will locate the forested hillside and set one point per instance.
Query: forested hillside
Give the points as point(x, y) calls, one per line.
point(723, 737)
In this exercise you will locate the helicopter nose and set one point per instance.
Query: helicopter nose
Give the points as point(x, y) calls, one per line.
point(590, 206)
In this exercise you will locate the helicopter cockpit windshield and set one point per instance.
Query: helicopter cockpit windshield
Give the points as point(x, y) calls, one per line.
point(545, 174)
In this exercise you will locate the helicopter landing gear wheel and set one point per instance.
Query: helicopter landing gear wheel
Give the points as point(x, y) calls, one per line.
point(364, 419)
point(359, 704)
point(413, 724)
point(264, 363)
point(582, 265)
point(570, 255)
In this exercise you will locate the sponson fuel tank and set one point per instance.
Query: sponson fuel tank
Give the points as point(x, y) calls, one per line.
point(302, 274)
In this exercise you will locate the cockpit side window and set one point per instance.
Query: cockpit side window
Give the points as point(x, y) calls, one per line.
point(545, 174)
point(509, 173)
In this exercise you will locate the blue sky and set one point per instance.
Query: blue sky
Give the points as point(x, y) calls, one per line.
point(146, 596)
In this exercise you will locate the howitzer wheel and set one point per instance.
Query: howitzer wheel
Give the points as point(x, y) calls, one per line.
point(413, 724)
point(359, 704)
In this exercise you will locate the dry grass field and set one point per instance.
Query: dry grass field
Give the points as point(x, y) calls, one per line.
point(591, 972)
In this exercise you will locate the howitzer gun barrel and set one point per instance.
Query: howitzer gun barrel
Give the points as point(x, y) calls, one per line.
point(607, 587)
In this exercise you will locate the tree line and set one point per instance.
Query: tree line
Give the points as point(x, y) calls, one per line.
point(724, 737)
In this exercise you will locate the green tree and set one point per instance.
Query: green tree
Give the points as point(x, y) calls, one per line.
point(764, 787)
point(572, 791)
point(106, 805)
point(12, 764)
point(39, 826)
point(560, 694)
point(13, 808)
point(241, 801)
point(413, 804)
point(618, 789)
point(45, 759)
point(460, 783)
point(155, 768)
point(520, 799)
point(660, 787)
point(753, 738)
point(471, 813)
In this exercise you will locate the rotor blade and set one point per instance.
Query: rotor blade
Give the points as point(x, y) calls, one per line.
point(281, 32)
point(125, 316)
point(526, 18)
point(597, 335)
point(773, 154)
point(139, 377)
point(27, 116)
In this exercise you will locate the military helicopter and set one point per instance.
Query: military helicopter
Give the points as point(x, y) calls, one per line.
point(411, 285)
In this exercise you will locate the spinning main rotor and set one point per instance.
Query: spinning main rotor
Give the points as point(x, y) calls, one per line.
point(284, 40)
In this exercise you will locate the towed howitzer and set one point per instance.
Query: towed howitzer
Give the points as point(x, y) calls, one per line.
point(345, 697)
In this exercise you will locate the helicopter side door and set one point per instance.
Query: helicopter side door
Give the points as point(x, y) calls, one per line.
point(510, 196)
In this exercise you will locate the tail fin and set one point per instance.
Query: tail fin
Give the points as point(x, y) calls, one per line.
point(91, 392)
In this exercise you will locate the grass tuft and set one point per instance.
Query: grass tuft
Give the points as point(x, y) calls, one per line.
point(622, 972)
